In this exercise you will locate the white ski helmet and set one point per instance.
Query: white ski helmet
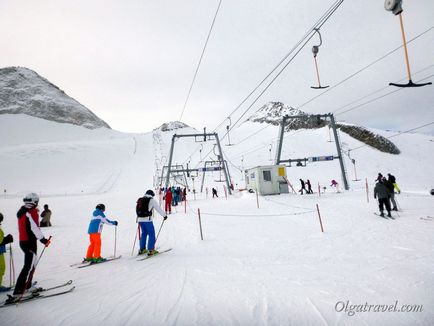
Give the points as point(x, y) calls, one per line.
point(31, 198)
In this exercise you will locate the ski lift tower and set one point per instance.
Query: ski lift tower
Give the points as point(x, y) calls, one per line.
point(318, 158)
point(203, 137)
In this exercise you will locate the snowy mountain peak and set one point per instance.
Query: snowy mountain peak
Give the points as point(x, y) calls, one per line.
point(173, 125)
point(23, 91)
point(272, 112)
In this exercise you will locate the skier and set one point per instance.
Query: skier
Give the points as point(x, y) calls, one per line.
point(46, 216)
point(383, 195)
point(303, 187)
point(29, 232)
point(334, 183)
point(214, 192)
point(309, 187)
point(168, 201)
point(95, 227)
point(392, 179)
point(4, 240)
point(379, 177)
point(389, 186)
point(144, 218)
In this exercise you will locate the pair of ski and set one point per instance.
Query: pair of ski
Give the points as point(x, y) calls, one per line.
point(157, 254)
point(37, 294)
point(91, 263)
point(385, 217)
point(87, 264)
point(428, 218)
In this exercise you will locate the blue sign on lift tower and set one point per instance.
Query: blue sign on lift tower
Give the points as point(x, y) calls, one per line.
point(321, 158)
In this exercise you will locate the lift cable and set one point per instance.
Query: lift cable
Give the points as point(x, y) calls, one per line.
point(377, 91)
point(364, 68)
point(311, 32)
point(200, 61)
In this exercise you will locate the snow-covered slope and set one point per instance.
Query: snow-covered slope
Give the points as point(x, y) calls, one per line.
point(23, 91)
point(266, 266)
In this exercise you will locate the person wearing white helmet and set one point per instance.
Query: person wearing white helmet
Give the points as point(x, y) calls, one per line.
point(144, 210)
point(29, 233)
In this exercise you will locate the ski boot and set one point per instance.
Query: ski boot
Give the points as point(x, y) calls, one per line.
point(98, 260)
point(152, 252)
point(143, 252)
point(87, 260)
point(382, 214)
point(388, 214)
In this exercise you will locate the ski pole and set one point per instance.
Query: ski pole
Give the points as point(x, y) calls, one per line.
point(159, 232)
point(32, 272)
point(397, 204)
point(116, 231)
point(11, 267)
point(135, 238)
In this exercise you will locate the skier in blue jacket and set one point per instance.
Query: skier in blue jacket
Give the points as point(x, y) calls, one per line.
point(95, 227)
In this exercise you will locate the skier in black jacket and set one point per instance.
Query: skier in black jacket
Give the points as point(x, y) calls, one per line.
point(383, 195)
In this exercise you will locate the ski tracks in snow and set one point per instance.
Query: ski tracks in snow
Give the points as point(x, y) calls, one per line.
point(175, 310)
point(317, 311)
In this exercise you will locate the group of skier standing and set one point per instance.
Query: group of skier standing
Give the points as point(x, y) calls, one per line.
point(385, 192)
point(29, 230)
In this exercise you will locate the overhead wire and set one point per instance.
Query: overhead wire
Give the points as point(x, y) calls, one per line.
point(364, 68)
point(380, 89)
point(326, 15)
point(378, 98)
point(200, 60)
point(299, 45)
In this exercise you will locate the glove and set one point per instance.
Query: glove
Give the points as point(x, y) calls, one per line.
point(45, 242)
point(8, 239)
point(165, 217)
point(115, 223)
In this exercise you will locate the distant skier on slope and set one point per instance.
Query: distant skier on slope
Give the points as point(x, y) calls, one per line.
point(97, 221)
point(29, 232)
point(303, 187)
point(144, 210)
point(168, 201)
point(4, 240)
point(383, 195)
point(379, 177)
point(392, 179)
point(389, 186)
point(309, 187)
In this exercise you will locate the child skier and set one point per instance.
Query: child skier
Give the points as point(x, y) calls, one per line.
point(144, 210)
point(4, 240)
point(95, 227)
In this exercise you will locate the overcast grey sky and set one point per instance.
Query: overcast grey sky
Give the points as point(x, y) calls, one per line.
point(132, 62)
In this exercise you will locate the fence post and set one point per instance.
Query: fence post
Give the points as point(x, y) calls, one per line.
point(257, 198)
point(319, 190)
point(319, 216)
point(200, 223)
point(367, 191)
point(226, 192)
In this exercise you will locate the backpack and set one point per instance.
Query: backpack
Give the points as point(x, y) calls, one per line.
point(142, 207)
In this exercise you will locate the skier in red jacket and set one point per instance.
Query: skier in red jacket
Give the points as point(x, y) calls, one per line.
point(168, 201)
point(29, 232)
